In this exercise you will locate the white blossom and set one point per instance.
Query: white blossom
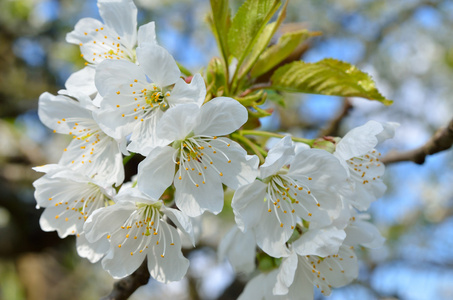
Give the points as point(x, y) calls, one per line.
point(204, 160)
point(69, 198)
point(307, 190)
point(297, 275)
point(136, 227)
point(356, 151)
point(133, 104)
point(91, 151)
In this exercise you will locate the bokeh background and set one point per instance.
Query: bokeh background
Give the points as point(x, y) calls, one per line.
point(406, 45)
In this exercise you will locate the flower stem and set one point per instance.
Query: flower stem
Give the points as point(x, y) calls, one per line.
point(277, 135)
point(184, 70)
point(127, 158)
point(260, 152)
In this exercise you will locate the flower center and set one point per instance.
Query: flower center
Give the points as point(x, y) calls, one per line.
point(195, 154)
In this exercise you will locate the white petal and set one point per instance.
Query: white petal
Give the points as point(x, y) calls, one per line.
point(220, 116)
point(144, 136)
point(260, 288)
point(271, 236)
point(121, 16)
point(114, 75)
point(173, 266)
point(53, 109)
point(240, 249)
point(363, 233)
point(247, 202)
point(99, 42)
point(98, 158)
point(194, 92)
point(278, 156)
point(193, 196)
point(320, 242)
point(181, 221)
point(178, 122)
point(91, 251)
point(232, 161)
point(156, 171)
point(107, 219)
point(82, 81)
point(388, 132)
point(359, 140)
point(78, 35)
point(158, 64)
point(302, 287)
point(286, 274)
point(147, 34)
point(344, 269)
point(323, 174)
point(49, 221)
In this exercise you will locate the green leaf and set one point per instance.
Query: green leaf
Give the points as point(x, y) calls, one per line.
point(262, 41)
point(220, 22)
point(278, 52)
point(247, 26)
point(248, 22)
point(326, 77)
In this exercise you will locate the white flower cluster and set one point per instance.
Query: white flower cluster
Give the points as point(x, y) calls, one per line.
point(300, 207)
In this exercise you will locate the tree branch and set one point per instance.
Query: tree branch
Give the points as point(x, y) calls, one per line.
point(125, 287)
point(440, 141)
point(332, 128)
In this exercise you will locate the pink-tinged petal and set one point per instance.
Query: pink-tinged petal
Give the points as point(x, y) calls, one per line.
point(166, 263)
point(232, 161)
point(240, 249)
point(197, 193)
point(82, 81)
point(194, 92)
point(286, 273)
point(177, 122)
point(158, 64)
point(320, 242)
point(56, 111)
point(156, 171)
point(359, 140)
point(220, 116)
point(112, 76)
point(91, 251)
point(120, 16)
point(147, 34)
point(278, 156)
point(247, 203)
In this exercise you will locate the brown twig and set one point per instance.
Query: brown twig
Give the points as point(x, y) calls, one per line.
point(332, 128)
point(123, 288)
point(440, 141)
